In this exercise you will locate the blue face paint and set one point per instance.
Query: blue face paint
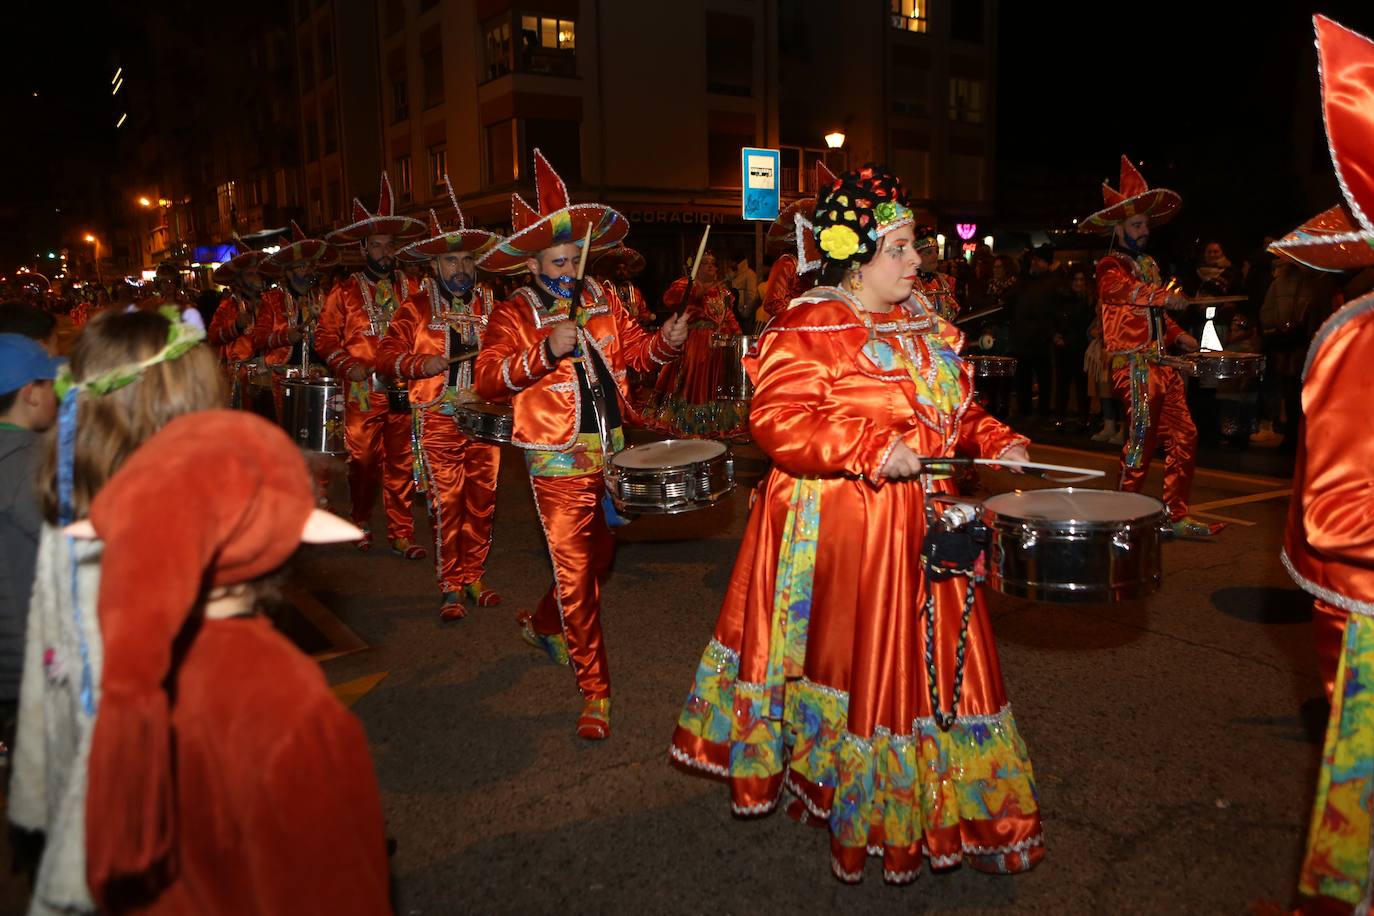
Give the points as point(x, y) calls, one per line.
point(460, 283)
point(1135, 245)
point(560, 287)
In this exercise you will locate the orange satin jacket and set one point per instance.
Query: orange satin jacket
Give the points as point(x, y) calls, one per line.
point(831, 403)
point(1329, 547)
point(939, 289)
point(420, 329)
point(784, 285)
point(352, 323)
point(1127, 289)
point(234, 345)
point(633, 300)
point(514, 366)
point(279, 314)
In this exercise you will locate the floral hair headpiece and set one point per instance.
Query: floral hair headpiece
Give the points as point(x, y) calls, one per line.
point(186, 330)
point(859, 209)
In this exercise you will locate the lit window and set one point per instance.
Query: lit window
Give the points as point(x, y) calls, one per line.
point(966, 100)
point(438, 167)
point(547, 45)
point(910, 15)
point(497, 48)
point(402, 173)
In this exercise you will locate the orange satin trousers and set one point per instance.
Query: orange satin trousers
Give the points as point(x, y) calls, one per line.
point(581, 548)
point(1157, 411)
point(379, 451)
point(462, 499)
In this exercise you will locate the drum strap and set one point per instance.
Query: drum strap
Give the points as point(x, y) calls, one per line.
point(950, 550)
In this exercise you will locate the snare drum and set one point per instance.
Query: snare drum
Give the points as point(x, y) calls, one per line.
point(259, 399)
point(1074, 545)
point(1219, 365)
point(734, 383)
point(313, 413)
point(668, 477)
point(992, 366)
point(485, 421)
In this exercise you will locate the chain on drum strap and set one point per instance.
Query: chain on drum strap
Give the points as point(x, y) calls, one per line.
point(955, 545)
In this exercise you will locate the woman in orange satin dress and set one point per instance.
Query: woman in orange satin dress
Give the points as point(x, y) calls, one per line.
point(817, 677)
point(684, 401)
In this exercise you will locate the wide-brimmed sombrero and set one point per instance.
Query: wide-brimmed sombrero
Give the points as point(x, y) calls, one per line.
point(1342, 238)
point(1133, 197)
point(247, 257)
point(444, 241)
point(383, 222)
point(784, 229)
point(556, 222)
point(304, 248)
point(32, 279)
point(605, 263)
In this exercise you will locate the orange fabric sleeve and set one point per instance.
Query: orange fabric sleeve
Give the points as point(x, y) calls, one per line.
point(984, 436)
point(396, 351)
point(1116, 287)
point(507, 364)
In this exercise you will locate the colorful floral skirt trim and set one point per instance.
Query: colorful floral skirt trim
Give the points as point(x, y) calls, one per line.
point(1336, 869)
point(966, 794)
point(685, 420)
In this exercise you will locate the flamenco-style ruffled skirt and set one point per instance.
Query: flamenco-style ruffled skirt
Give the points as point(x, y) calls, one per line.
point(1336, 870)
point(683, 402)
point(816, 683)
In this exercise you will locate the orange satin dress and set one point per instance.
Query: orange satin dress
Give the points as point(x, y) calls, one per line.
point(1129, 298)
point(456, 474)
point(566, 466)
point(784, 285)
point(816, 679)
point(684, 402)
point(353, 320)
point(1329, 548)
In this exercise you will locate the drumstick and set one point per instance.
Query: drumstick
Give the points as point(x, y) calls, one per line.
point(577, 289)
point(1216, 300)
point(692, 276)
point(1030, 467)
point(464, 356)
point(983, 314)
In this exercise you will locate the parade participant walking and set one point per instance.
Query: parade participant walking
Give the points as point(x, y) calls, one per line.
point(937, 287)
point(617, 267)
point(563, 362)
point(789, 275)
point(353, 320)
point(1329, 548)
point(840, 669)
point(233, 327)
point(130, 374)
point(1136, 333)
point(684, 403)
point(225, 778)
point(440, 322)
point(291, 308)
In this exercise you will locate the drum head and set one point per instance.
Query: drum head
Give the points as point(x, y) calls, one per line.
point(670, 453)
point(1070, 504)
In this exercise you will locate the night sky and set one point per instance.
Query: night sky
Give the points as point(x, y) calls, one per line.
point(1205, 93)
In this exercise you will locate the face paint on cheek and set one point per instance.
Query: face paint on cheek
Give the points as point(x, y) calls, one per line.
point(560, 286)
point(460, 283)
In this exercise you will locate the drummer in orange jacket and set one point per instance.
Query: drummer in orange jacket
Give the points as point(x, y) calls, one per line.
point(353, 321)
point(234, 327)
point(567, 421)
point(444, 319)
point(1136, 333)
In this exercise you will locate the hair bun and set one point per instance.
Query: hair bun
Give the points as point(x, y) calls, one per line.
point(862, 206)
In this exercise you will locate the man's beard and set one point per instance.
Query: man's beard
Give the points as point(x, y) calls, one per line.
point(380, 268)
point(560, 287)
point(1135, 245)
point(301, 283)
point(460, 284)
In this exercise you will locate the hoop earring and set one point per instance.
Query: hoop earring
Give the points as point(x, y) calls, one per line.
point(856, 280)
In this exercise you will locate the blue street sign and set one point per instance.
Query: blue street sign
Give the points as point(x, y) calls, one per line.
point(760, 183)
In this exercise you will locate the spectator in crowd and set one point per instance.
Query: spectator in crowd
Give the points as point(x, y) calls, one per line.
point(30, 321)
point(1073, 317)
point(1037, 301)
point(746, 285)
point(1098, 371)
point(1296, 304)
point(1235, 398)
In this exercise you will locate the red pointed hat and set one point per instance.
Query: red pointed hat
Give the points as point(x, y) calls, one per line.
point(443, 241)
point(304, 248)
point(784, 228)
point(1342, 238)
point(556, 222)
point(606, 262)
point(1132, 197)
point(383, 222)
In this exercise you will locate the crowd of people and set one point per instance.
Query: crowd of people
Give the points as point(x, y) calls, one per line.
point(847, 669)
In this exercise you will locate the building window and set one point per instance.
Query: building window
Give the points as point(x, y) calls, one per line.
point(401, 173)
point(438, 168)
point(502, 165)
point(966, 100)
point(433, 66)
point(965, 179)
point(723, 157)
point(548, 46)
point(496, 50)
point(307, 66)
point(559, 141)
point(913, 167)
point(966, 21)
point(326, 50)
point(226, 196)
point(400, 99)
point(331, 132)
point(729, 54)
point(912, 15)
point(910, 89)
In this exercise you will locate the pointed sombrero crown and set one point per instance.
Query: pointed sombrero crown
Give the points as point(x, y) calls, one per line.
point(443, 241)
point(1132, 197)
point(383, 222)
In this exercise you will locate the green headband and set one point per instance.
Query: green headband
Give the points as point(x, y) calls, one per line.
point(181, 337)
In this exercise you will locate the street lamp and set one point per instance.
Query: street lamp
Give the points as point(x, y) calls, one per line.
point(144, 202)
point(835, 139)
point(95, 253)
